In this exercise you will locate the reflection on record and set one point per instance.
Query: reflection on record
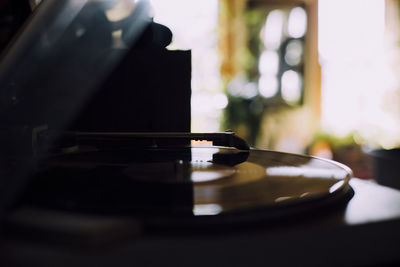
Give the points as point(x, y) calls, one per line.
point(185, 181)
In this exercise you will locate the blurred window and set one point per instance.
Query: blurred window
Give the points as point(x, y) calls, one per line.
point(280, 63)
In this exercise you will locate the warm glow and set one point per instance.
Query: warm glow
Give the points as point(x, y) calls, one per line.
point(121, 10)
point(359, 88)
point(201, 143)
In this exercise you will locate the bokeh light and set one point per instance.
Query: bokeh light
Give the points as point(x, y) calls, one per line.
point(294, 53)
point(291, 86)
point(297, 25)
point(268, 85)
point(269, 62)
point(273, 29)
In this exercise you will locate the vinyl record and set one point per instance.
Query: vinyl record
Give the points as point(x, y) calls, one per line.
point(188, 185)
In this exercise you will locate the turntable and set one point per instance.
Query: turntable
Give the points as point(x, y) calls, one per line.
point(72, 197)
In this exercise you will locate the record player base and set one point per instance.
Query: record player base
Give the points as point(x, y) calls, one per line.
point(364, 233)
